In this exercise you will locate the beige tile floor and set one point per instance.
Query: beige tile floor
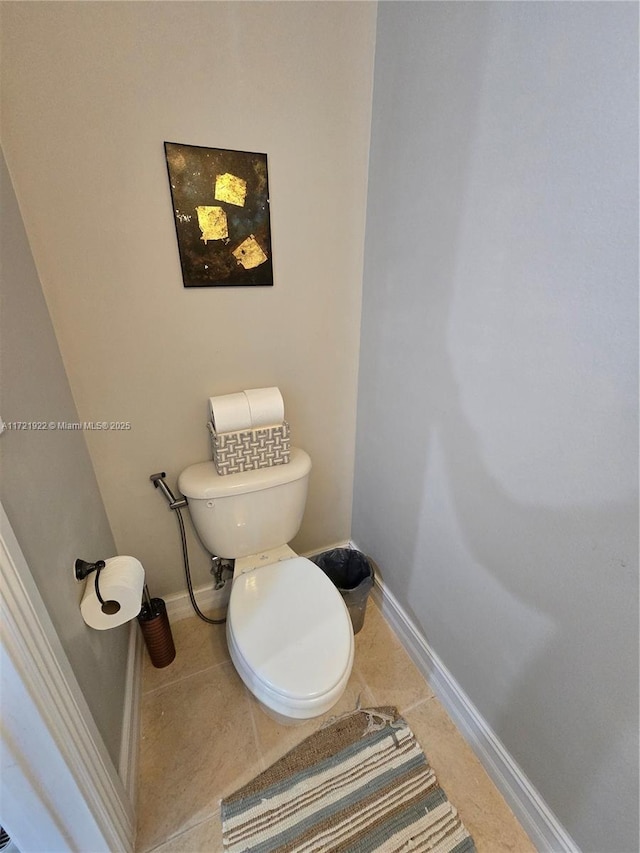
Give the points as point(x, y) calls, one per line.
point(203, 736)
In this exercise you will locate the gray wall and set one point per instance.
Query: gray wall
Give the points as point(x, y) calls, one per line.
point(48, 487)
point(496, 453)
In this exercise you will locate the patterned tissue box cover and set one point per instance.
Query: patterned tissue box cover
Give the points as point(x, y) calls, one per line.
point(249, 449)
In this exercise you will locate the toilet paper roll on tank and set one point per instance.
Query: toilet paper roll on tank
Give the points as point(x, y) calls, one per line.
point(257, 407)
point(120, 583)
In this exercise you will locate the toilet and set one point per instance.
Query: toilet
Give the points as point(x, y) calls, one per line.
point(288, 629)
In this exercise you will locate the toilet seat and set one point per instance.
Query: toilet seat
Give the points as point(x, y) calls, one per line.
point(290, 637)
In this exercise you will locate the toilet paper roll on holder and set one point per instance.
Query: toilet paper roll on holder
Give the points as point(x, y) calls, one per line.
point(82, 570)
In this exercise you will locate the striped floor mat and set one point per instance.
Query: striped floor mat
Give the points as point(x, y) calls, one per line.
point(360, 784)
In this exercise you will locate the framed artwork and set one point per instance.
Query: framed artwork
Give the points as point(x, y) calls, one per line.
point(221, 212)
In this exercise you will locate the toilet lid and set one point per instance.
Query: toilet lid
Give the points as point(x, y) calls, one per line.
point(291, 626)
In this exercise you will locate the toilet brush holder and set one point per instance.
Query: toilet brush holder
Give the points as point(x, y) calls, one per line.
point(156, 630)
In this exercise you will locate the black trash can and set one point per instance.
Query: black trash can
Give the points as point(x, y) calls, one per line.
point(352, 574)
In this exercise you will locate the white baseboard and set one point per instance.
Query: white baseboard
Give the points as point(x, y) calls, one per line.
point(128, 759)
point(207, 599)
point(537, 819)
point(316, 551)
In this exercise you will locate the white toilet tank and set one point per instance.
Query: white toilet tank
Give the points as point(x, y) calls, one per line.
point(237, 515)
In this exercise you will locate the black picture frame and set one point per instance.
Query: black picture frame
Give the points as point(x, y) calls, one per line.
point(221, 213)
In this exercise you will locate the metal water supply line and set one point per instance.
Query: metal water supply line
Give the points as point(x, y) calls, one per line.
point(177, 504)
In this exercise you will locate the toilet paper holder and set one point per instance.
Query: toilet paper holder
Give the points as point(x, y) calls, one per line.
point(82, 570)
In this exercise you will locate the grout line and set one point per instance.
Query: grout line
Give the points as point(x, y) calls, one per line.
point(417, 704)
point(164, 841)
point(256, 738)
point(184, 677)
point(364, 681)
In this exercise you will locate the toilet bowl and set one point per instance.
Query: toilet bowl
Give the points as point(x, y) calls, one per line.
point(290, 638)
point(289, 633)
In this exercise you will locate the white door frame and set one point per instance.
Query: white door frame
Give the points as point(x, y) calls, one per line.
point(59, 788)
